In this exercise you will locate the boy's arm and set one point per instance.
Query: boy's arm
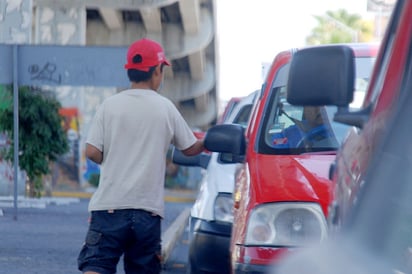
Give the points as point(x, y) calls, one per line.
point(195, 149)
point(94, 154)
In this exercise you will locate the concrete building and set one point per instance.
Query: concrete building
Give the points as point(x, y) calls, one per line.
point(186, 29)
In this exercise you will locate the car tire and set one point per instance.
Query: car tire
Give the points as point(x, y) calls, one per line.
point(190, 268)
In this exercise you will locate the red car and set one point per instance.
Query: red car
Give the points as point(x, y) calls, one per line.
point(282, 190)
point(372, 205)
point(386, 86)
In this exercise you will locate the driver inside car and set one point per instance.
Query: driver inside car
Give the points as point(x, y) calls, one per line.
point(303, 132)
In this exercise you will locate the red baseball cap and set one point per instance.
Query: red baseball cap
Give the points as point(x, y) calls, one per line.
point(151, 52)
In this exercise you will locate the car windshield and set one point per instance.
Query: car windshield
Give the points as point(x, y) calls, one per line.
point(290, 129)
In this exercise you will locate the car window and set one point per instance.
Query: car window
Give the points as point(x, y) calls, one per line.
point(363, 68)
point(382, 217)
point(230, 106)
point(387, 50)
point(242, 117)
point(288, 129)
point(294, 129)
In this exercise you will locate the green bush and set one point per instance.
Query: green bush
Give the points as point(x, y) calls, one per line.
point(41, 136)
point(94, 179)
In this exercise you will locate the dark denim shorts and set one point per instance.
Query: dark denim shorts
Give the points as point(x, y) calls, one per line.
point(133, 233)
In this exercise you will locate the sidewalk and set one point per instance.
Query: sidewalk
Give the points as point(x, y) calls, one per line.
point(70, 196)
point(174, 226)
point(171, 195)
point(47, 240)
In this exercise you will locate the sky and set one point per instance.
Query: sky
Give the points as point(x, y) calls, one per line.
point(250, 33)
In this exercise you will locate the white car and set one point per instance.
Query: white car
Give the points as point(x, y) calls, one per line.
point(211, 218)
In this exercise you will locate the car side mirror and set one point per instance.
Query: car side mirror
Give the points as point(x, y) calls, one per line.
point(226, 138)
point(322, 75)
point(200, 160)
point(229, 158)
point(325, 75)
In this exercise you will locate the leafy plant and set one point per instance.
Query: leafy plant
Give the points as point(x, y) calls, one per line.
point(41, 136)
point(94, 179)
point(340, 27)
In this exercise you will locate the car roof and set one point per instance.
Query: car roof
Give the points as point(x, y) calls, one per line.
point(359, 49)
point(230, 105)
point(248, 100)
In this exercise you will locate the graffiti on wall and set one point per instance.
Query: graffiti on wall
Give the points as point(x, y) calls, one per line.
point(46, 72)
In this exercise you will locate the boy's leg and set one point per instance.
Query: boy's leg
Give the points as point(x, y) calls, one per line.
point(103, 246)
point(144, 253)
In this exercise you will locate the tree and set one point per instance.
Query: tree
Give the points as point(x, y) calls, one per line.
point(5, 98)
point(41, 136)
point(340, 27)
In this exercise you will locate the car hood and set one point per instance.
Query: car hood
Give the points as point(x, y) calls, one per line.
point(280, 178)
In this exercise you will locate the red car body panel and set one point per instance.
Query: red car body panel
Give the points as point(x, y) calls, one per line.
point(355, 154)
point(280, 60)
point(260, 255)
point(247, 174)
point(291, 177)
point(361, 51)
point(277, 178)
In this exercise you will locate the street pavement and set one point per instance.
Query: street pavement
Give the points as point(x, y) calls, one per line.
point(48, 233)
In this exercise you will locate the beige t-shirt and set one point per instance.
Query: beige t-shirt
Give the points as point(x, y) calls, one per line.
point(134, 129)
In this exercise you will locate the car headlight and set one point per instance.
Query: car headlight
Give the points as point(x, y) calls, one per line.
point(286, 224)
point(223, 208)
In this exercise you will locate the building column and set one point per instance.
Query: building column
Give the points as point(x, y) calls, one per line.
point(15, 21)
point(60, 25)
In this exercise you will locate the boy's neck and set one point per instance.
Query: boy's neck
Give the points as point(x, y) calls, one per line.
point(141, 85)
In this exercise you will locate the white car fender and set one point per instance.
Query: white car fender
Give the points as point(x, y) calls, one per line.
point(218, 178)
